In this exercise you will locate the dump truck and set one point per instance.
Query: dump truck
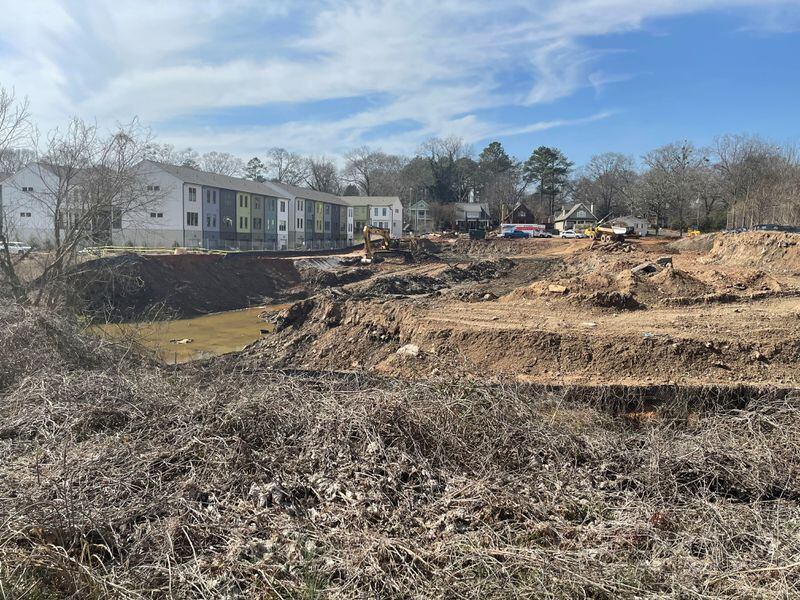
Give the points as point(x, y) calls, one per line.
point(608, 233)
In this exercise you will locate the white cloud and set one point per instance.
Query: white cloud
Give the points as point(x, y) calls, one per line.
point(437, 65)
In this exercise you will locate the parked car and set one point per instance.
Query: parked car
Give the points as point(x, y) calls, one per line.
point(580, 235)
point(514, 234)
point(568, 233)
point(18, 248)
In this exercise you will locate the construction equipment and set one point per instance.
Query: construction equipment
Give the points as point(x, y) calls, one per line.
point(693, 233)
point(607, 233)
point(389, 246)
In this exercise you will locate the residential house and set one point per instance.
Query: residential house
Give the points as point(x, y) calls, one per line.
point(639, 225)
point(579, 217)
point(520, 214)
point(420, 217)
point(385, 212)
point(471, 215)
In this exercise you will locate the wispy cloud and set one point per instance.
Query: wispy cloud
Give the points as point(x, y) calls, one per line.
point(437, 66)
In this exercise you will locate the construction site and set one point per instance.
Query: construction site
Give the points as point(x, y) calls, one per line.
point(547, 418)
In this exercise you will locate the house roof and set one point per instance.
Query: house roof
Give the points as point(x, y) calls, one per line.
point(371, 200)
point(420, 205)
point(564, 216)
point(466, 207)
point(632, 218)
point(190, 175)
point(519, 205)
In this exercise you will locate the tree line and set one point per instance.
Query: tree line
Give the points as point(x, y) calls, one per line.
point(739, 180)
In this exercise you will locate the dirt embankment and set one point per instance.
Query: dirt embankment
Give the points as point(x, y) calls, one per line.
point(778, 251)
point(130, 286)
point(576, 313)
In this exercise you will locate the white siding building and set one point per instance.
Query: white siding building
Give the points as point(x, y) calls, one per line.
point(384, 211)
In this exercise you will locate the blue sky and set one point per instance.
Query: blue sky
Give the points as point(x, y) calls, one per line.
point(322, 76)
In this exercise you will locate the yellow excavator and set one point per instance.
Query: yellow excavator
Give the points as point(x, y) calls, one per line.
point(388, 246)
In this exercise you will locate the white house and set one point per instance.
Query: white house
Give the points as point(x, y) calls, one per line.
point(384, 211)
point(27, 204)
point(640, 226)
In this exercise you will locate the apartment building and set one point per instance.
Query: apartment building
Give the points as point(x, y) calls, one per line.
point(192, 208)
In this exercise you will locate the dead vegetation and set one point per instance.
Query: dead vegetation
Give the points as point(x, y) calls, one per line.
point(216, 481)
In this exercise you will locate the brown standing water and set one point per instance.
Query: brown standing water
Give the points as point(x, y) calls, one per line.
point(184, 340)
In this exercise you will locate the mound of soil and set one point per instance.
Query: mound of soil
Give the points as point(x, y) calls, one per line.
point(763, 249)
point(699, 243)
point(130, 286)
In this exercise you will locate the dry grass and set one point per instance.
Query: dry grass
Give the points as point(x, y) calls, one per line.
point(215, 482)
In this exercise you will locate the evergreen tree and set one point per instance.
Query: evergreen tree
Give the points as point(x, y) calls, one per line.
point(255, 170)
point(549, 169)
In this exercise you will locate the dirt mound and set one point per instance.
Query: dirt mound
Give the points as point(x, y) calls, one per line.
point(408, 285)
point(668, 283)
point(128, 286)
point(495, 247)
point(698, 243)
point(762, 249)
point(322, 278)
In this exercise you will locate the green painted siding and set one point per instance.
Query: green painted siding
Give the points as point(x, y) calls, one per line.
point(243, 223)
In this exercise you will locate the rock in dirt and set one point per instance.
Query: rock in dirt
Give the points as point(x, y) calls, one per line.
point(556, 288)
point(409, 350)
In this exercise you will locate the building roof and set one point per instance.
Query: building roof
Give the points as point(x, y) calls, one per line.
point(420, 205)
point(190, 175)
point(472, 207)
point(295, 191)
point(563, 216)
point(632, 218)
point(370, 200)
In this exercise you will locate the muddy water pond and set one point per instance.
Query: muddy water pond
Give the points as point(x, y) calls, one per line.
point(184, 340)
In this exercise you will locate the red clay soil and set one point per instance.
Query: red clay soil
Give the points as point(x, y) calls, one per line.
point(132, 286)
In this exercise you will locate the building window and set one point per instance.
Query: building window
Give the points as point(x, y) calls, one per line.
point(191, 219)
point(256, 205)
point(208, 196)
point(384, 212)
point(27, 189)
point(283, 206)
point(192, 194)
point(257, 223)
point(154, 215)
point(25, 214)
point(153, 188)
point(299, 205)
point(282, 226)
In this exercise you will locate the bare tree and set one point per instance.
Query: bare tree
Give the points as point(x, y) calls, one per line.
point(285, 167)
point(89, 183)
point(750, 171)
point(14, 128)
point(166, 153)
point(451, 165)
point(606, 182)
point(677, 168)
point(322, 175)
point(222, 163)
